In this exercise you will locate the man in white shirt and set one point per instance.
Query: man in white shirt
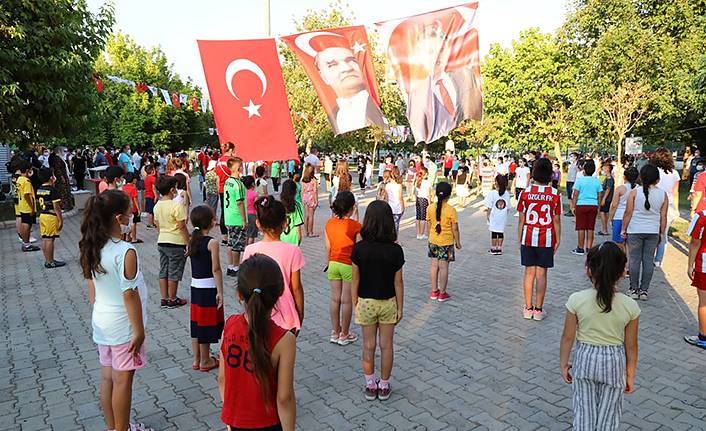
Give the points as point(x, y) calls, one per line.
point(136, 160)
point(354, 107)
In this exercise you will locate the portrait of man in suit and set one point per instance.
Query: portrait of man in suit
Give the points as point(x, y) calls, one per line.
point(354, 108)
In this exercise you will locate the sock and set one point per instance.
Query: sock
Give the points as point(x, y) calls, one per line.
point(369, 379)
point(236, 267)
point(230, 266)
point(702, 337)
point(538, 308)
point(384, 383)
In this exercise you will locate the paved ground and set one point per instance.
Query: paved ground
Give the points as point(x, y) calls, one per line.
point(471, 363)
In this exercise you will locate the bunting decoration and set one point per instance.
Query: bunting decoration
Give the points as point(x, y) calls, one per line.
point(175, 99)
point(435, 59)
point(98, 83)
point(166, 96)
point(171, 98)
point(339, 63)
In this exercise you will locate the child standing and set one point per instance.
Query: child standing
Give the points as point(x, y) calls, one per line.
point(310, 199)
point(250, 197)
point(235, 208)
point(496, 205)
point(340, 235)
point(619, 203)
point(150, 194)
point(539, 231)
point(556, 176)
point(50, 217)
point(171, 242)
point(260, 181)
point(604, 323)
point(377, 291)
point(130, 188)
point(443, 233)
point(118, 295)
point(607, 197)
point(463, 191)
point(588, 192)
point(206, 289)
point(256, 375)
point(271, 219)
point(423, 192)
point(26, 206)
point(696, 270)
point(292, 232)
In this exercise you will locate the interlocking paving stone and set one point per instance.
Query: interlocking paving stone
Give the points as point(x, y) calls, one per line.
point(471, 363)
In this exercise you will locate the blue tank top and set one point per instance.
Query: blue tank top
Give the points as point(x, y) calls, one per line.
point(201, 265)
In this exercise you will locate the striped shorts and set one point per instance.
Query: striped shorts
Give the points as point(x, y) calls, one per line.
point(598, 385)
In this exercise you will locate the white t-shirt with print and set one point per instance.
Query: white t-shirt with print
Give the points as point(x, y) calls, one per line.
point(498, 206)
point(522, 177)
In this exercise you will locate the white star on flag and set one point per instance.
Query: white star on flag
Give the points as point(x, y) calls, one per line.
point(253, 109)
point(358, 47)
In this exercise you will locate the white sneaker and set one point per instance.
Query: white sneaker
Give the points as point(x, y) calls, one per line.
point(539, 314)
point(527, 313)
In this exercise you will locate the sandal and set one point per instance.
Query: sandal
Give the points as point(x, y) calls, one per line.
point(139, 427)
point(137, 241)
point(195, 367)
point(214, 366)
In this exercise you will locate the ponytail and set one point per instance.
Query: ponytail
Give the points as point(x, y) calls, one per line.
point(501, 182)
point(96, 226)
point(260, 284)
point(202, 218)
point(443, 191)
point(631, 175)
point(646, 191)
point(649, 174)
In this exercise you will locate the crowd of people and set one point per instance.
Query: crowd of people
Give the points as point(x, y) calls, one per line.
point(262, 229)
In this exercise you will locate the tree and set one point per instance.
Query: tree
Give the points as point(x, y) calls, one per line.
point(46, 59)
point(126, 117)
point(625, 108)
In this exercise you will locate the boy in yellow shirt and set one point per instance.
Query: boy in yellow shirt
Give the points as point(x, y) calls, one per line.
point(26, 206)
point(170, 219)
point(50, 218)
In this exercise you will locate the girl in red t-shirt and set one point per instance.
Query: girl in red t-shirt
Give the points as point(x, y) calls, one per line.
point(256, 375)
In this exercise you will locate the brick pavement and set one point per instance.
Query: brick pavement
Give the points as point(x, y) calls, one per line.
point(471, 363)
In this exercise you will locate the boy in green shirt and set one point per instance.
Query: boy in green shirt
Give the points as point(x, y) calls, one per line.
point(235, 214)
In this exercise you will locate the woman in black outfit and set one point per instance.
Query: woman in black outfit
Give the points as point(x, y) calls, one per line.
point(79, 162)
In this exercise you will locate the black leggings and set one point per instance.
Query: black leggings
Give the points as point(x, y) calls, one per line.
point(275, 183)
point(224, 230)
point(361, 180)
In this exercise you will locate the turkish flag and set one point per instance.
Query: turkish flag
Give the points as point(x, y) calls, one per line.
point(249, 101)
point(339, 63)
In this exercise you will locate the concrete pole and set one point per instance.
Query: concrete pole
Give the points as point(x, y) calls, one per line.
point(267, 18)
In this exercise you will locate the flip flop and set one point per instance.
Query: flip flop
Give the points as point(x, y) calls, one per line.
point(215, 365)
point(195, 367)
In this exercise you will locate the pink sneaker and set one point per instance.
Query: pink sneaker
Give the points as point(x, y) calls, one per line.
point(434, 295)
point(443, 297)
point(344, 340)
point(527, 313)
point(538, 314)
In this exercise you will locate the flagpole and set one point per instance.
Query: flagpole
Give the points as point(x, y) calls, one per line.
point(267, 18)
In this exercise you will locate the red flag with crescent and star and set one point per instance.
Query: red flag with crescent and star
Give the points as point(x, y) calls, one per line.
point(435, 59)
point(248, 98)
point(340, 65)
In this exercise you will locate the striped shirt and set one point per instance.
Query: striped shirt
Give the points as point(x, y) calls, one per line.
point(696, 231)
point(539, 204)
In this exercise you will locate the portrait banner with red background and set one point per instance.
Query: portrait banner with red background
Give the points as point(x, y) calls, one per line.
point(435, 60)
point(248, 98)
point(339, 63)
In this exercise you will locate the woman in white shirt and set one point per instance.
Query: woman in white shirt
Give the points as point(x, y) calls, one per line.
point(644, 222)
point(669, 182)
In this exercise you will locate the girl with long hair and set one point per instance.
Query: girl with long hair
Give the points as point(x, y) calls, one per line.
point(669, 182)
point(605, 324)
point(310, 199)
point(117, 292)
point(423, 191)
point(411, 175)
point(444, 235)
point(395, 196)
point(271, 220)
point(256, 374)
point(340, 235)
point(644, 222)
point(295, 213)
point(206, 289)
point(377, 291)
point(496, 207)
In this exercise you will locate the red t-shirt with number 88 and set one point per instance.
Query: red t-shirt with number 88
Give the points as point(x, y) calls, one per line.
point(540, 204)
point(243, 406)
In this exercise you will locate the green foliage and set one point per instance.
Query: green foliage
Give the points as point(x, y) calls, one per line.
point(126, 117)
point(47, 50)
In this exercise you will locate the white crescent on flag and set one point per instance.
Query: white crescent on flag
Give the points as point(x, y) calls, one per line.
point(239, 64)
point(303, 41)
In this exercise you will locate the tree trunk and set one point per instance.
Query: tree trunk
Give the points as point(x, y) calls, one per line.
point(618, 172)
point(557, 153)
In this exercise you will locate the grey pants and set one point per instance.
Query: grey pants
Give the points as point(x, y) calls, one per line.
point(598, 386)
point(642, 248)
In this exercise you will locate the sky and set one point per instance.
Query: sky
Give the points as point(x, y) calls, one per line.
point(175, 25)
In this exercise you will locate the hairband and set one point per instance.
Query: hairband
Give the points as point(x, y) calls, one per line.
point(257, 290)
point(197, 228)
point(264, 202)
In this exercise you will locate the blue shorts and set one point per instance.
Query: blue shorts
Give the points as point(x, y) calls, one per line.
point(149, 205)
point(542, 257)
point(617, 227)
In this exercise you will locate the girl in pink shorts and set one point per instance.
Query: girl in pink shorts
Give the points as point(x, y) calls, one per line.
point(117, 292)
